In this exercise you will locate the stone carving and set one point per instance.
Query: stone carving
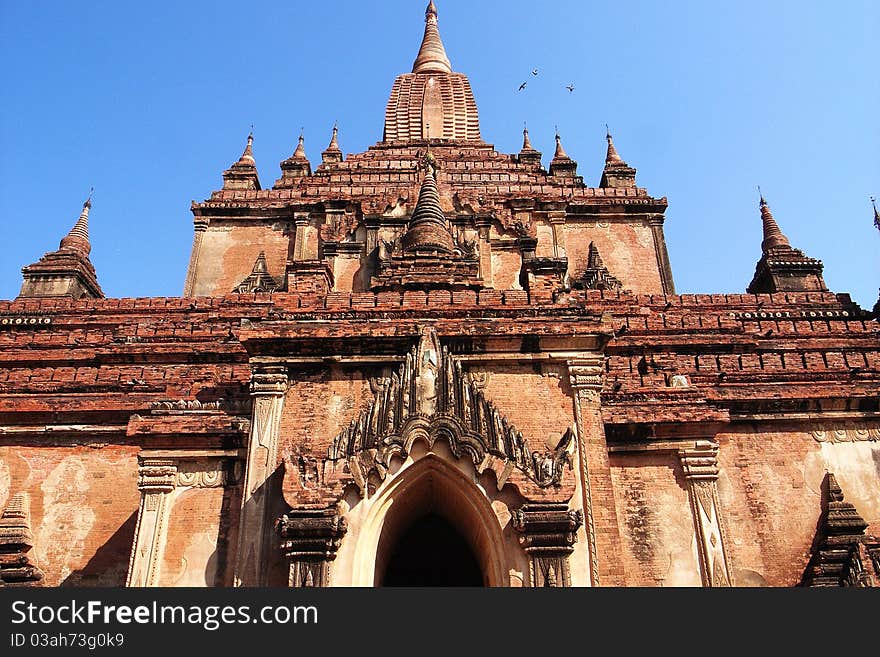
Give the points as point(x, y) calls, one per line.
point(431, 393)
point(310, 539)
point(548, 534)
point(850, 432)
point(839, 549)
point(16, 541)
point(194, 405)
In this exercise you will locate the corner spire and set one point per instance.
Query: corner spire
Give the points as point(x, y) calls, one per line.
point(432, 55)
point(248, 156)
point(617, 173)
point(560, 151)
point(773, 235)
point(67, 272)
point(296, 167)
point(781, 267)
point(78, 237)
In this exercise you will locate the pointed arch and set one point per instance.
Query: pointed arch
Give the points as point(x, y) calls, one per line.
point(430, 484)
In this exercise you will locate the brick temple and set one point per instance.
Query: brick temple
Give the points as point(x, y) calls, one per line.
point(432, 363)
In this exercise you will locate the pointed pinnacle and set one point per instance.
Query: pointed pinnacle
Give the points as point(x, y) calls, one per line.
point(773, 235)
point(247, 157)
point(334, 140)
point(432, 55)
point(612, 157)
point(527, 143)
point(78, 237)
point(300, 151)
point(560, 151)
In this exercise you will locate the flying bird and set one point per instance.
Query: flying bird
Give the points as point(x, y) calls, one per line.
point(534, 71)
point(570, 88)
point(522, 86)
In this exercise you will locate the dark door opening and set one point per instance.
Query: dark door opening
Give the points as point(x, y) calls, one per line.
point(432, 553)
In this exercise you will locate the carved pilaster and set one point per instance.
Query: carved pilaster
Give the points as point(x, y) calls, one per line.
point(548, 536)
point(157, 479)
point(162, 476)
point(268, 386)
point(585, 377)
point(310, 540)
point(700, 465)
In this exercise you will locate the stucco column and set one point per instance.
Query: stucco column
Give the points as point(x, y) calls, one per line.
point(268, 386)
point(700, 464)
point(585, 377)
point(157, 479)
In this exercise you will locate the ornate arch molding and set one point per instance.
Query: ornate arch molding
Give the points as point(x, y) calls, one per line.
point(431, 398)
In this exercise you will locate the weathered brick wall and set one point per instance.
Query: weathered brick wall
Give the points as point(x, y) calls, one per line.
point(196, 553)
point(770, 490)
point(229, 250)
point(536, 399)
point(627, 249)
point(84, 502)
point(656, 524)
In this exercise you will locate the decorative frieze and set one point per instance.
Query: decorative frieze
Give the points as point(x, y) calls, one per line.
point(849, 432)
point(548, 534)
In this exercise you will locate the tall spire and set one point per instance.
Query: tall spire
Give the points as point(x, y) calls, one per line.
point(432, 55)
point(78, 237)
point(773, 236)
point(617, 173)
point(562, 166)
point(528, 154)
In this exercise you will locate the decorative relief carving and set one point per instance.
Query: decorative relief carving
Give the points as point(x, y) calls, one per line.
point(234, 407)
point(548, 534)
point(849, 432)
point(586, 373)
point(431, 394)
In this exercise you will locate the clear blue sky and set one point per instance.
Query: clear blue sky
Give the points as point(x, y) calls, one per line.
point(150, 101)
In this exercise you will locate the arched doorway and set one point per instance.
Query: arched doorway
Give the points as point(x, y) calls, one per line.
point(430, 525)
point(431, 552)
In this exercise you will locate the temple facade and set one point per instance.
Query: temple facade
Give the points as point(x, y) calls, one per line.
point(432, 363)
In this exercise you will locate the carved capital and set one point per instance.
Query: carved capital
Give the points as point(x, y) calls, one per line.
point(310, 539)
point(700, 462)
point(586, 373)
point(549, 532)
point(269, 381)
point(157, 475)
